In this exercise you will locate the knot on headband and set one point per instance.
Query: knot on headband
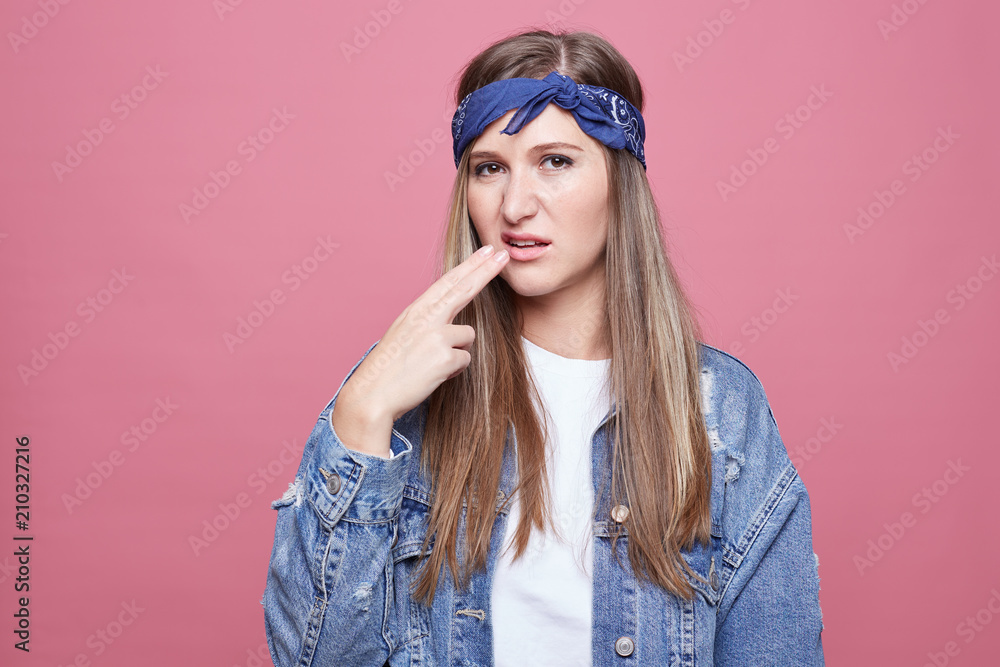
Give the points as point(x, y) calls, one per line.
point(600, 112)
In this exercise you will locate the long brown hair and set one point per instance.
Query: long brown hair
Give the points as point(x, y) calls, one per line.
point(660, 452)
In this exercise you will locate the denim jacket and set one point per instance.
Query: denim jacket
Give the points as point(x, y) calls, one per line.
point(350, 527)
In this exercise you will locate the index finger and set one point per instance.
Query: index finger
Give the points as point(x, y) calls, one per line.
point(457, 287)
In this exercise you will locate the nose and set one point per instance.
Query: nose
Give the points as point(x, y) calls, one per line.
point(520, 196)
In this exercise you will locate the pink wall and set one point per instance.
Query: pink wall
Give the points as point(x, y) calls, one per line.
point(158, 97)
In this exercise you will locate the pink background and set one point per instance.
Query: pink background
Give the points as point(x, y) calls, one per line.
point(245, 408)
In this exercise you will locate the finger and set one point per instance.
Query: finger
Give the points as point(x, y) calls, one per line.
point(459, 336)
point(446, 282)
point(459, 296)
point(462, 360)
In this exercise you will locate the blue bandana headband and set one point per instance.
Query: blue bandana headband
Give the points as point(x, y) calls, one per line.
point(602, 113)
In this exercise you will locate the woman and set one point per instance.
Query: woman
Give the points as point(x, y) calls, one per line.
point(539, 463)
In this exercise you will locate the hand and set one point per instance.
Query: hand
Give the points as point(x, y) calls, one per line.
point(422, 348)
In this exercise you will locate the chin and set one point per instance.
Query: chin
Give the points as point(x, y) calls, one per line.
point(529, 288)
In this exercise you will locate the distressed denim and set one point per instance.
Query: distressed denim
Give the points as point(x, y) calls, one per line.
point(350, 527)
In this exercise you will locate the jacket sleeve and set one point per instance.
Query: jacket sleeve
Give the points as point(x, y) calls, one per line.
point(328, 594)
point(769, 611)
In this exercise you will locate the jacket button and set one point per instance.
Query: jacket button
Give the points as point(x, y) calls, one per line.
point(333, 483)
point(624, 646)
point(619, 513)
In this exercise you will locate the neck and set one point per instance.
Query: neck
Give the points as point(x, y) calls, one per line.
point(570, 325)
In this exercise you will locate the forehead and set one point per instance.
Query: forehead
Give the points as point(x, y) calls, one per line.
point(553, 124)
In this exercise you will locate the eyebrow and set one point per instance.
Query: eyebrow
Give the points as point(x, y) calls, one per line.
point(537, 149)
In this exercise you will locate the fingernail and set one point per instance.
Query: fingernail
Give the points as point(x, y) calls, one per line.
point(500, 256)
point(485, 250)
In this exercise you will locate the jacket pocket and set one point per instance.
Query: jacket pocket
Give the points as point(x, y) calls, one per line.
point(705, 563)
point(411, 525)
point(410, 629)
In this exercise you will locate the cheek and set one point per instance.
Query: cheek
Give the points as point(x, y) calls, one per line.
point(591, 202)
point(590, 213)
point(476, 215)
point(479, 206)
point(588, 239)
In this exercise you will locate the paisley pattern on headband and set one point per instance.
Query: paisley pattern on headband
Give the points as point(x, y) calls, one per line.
point(624, 114)
point(600, 112)
point(458, 118)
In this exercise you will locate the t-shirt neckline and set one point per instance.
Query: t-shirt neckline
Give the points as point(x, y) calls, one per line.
point(552, 362)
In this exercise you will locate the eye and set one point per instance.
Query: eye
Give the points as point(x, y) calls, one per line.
point(560, 162)
point(479, 170)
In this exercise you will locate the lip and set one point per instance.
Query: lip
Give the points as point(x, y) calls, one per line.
point(523, 254)
point(509, 236)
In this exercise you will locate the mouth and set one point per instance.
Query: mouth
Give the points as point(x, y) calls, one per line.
point(511, 243)
point(523, 251)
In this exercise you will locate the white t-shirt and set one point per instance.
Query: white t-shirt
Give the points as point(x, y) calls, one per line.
point(542, 603)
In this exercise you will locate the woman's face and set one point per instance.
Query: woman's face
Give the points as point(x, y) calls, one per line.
point(525, 185)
